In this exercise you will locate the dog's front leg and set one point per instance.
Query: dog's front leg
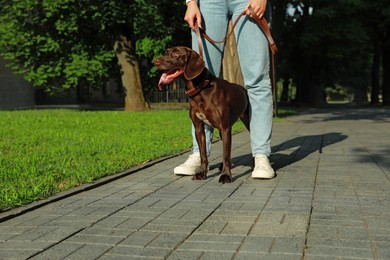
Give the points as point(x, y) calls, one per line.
point(226, 135)
point(201, 139)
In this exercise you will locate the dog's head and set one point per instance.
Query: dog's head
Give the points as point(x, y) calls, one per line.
point(178, 61)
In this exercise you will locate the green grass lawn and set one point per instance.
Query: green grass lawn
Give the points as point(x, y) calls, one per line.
point(47, 151)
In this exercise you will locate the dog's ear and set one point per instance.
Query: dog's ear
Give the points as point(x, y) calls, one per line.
point(194, 66)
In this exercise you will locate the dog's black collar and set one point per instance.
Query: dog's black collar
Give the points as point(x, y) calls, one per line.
point(200, 82)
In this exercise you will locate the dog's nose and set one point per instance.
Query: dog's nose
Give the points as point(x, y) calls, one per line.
point(157, 62)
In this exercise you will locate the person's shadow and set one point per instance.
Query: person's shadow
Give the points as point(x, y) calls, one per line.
point(290, 151)
point(298, 148)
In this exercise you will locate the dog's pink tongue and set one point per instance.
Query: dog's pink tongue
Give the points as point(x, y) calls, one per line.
point(163, 81)
point(169, 76)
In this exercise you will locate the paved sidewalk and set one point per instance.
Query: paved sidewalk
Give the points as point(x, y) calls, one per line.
point(330, 200)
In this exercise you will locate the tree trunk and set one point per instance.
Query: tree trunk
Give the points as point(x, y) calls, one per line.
point(375, 75)
point(386, 71)
point(130, 74)
point(304, 86)
point(230, 63)
point(360, 84)
point(284, 97)
point(305, 94)
point(360, 95)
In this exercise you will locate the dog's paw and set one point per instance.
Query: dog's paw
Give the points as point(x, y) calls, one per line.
point(199, 176)
point(225, 178)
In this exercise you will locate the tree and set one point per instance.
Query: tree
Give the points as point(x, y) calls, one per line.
point(338, 50)
point(329, 43)
point(63, 44)
point(386, 68)
point(376, 20)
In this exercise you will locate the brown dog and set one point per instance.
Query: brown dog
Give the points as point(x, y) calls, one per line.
point(213, 101)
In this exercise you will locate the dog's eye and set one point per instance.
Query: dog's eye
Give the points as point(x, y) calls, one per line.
point(175, 54)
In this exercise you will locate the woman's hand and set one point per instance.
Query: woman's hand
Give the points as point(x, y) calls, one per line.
point(193, 16)
point(258, 7)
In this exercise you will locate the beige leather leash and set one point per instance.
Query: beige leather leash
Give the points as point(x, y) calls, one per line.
point(264, 26)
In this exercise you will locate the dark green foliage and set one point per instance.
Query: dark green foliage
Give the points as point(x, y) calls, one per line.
point(330, 43)
point(61, 44)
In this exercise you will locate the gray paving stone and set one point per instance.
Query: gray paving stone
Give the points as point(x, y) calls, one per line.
point(210, 246)
point(134, 223)
point(278, 230)
point(89, 252)
point(140, 238)
point(383, 249)
point(342, 222)
point(94, 239)
point(236, 228)
point(138, 252)
point(168, 240)
point(281, 224)
point(74, 221)
point(208, 255)
point(288, 246)
point(106, 232)
point(111, 221)
point(5, 237)
point(169, 228)
point(186, 254)
point(266, 256)
point(338, 252)
point(34, 233)
point(337, 232)
point(241, 218)
point(216, 238)
point(17, 253)
point(340, 243)
point(257, 244)
point(59, 251)
point(210, 228)
point(329, 257)
point(24, 245)
point(123, 257)
point(58, 234)
point(380, 234)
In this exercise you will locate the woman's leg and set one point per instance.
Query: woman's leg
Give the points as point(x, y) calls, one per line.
point(253, 52)
point(215, 22)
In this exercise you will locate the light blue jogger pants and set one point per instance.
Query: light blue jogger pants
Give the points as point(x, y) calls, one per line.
point(253, 53)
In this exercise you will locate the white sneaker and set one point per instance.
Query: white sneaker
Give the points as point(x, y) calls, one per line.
point(263, 169)
point(190, 167)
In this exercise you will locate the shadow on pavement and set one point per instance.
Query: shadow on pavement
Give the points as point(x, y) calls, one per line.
point(286, 153)
point(298, 148)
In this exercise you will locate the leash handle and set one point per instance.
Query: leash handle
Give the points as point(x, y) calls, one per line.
point(199, 40)
point(264, 26)
point(261, 22)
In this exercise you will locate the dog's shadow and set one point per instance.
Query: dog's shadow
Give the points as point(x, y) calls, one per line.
point(288, 152)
